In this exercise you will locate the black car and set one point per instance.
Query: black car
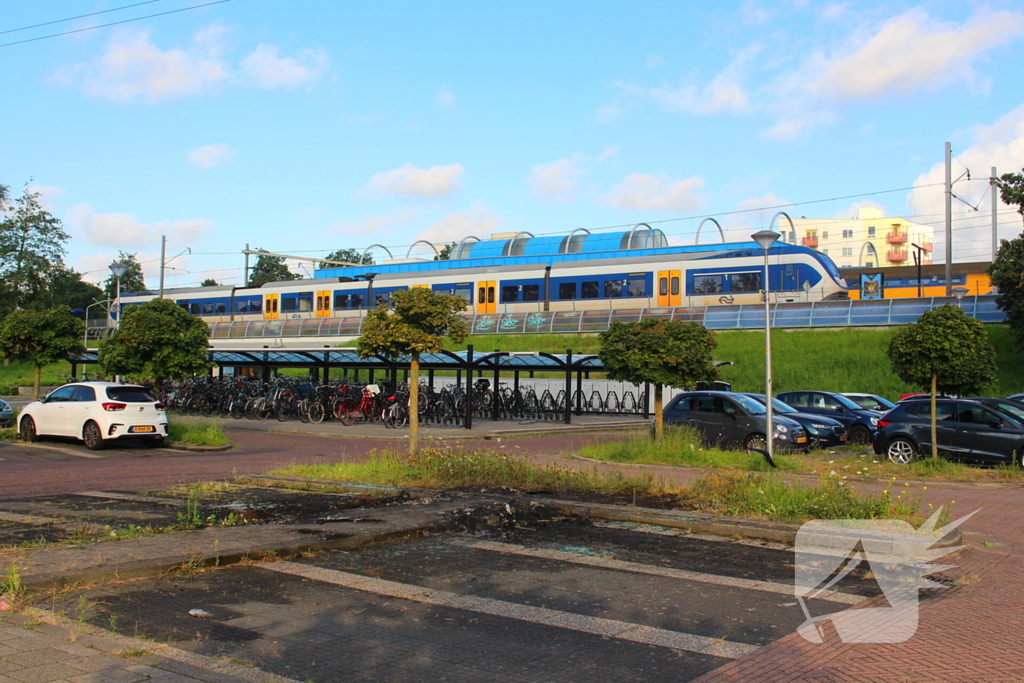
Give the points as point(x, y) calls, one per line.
point(822, 431)
point(967, 431)
point(732, 420)
point(861, 424)
point(1013, 408)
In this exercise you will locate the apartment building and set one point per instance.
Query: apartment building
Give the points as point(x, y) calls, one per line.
point(871, 240)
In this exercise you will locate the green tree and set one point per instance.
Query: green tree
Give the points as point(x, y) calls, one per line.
point(416, 323)
point(944, 351)
point(445, 253)
point(1007, 274)
point(157, 340)
point(348, 256)
point(270, 269)
point(1011, 189)
point(132, 280)
point(69, 289)
point(209, 282)
point(31, 251)
point(41, 338)
point(660, 352)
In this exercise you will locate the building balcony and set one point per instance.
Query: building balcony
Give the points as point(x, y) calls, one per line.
point(895, 255)
point(809, 241)
point(896, 237)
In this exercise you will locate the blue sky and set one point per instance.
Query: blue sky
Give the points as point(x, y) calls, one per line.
point(305, 127)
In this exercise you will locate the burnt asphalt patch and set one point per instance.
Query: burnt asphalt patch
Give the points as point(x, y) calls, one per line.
point(306, 628)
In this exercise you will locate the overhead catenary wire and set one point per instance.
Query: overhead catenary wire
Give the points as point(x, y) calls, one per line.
point(114, 23)
point(80, 16)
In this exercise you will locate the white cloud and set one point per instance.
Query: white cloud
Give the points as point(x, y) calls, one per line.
point(609, 152)
point(264, 69)
point(754, 15)
point(914, 51)
point(370, 225)
point(133, 69)
point(754, 214)
point(94, 268)
point(123, 231)
point(724, 93)
point(49, 196)
point(853, 211)
point(426, 183)
point(446, 98)
point(834, 11)
point(478, 221)
point(656, 192)
point(558, 179)
point(1001, 145)
point(211, 156)
point(609, 113)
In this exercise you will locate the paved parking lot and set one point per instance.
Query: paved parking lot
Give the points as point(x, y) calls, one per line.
point(564, 601)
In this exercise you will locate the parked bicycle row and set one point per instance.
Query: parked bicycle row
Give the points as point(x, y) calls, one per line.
point(349, 401)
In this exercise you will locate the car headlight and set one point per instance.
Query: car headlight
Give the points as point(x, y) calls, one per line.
point(781, 429)
point(874, 422)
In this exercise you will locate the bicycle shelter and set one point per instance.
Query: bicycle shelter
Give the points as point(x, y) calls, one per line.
point(465, 364)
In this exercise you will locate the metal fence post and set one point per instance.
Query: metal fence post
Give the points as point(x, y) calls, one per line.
point(469, 387)
point(568, 386)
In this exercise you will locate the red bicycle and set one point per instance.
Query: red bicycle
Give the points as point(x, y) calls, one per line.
point(348, 411)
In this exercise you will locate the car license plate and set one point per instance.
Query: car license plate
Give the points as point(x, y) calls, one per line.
point(143, 428)
point(843, 437)
point(801, 439)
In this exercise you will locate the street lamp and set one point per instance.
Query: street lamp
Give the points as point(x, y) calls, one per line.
point(118, 269)
point(959, 293)
point(85, 340)
point(765, 239)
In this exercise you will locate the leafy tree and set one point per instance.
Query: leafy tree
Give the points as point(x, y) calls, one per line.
point(157, 340)
point(1011, 187)
point(69, 289)
point(944, 351)
point(131, 281)
point(659, 352)
point(348, 256)
point(445, 253)
point(41, 338)
point(417, 323)
point(31, 251)
point(270, 269)
point(209, 282)
point(1007, 273)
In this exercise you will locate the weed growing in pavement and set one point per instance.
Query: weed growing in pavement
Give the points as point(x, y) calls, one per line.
point(190, 517)
point(457, 468)
point(9, 434)
point(113, 623)
point(770, 495)
point(11, 586)
point(134, 653)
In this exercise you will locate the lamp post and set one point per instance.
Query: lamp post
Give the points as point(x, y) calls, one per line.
point(118, 269)
point(959, 293)
point(765, 239)
point(85, 339)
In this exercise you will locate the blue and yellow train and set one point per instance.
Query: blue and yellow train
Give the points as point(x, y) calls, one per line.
point(581, 271)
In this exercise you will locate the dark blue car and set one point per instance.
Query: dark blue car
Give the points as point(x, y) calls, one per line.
point(823, 432)
point(861, 424)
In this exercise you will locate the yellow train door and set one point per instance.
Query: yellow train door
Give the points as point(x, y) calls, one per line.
point(270, 306)
point(323, 304)
point(486, 301)
point(669, 294)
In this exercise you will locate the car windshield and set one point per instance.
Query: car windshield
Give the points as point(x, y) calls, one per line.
point(129, 395)
point(1008, 408)
point(847, 403)
point(778, 405)
point(750, 405)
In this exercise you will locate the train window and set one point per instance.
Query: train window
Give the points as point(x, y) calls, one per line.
point(208, 308)
point(220, 308)
point(589, 290)
point(663, 286)
point(357, 301)
point(196, 309)
point(567, 290)
point(465, 292)
point(384, 299)
point(509, 293)
point(183, 304)
point(341, 300)
point(675, 286)
point(636, 287)
point(481, 295)
point(531, 292)
point(745, 282)
point(305, 301)
point(255, 306)
point(612, 289)
point(490, 295)
point(707, 284)
point(275, 302)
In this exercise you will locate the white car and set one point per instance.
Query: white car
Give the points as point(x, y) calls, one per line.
point(95, 412)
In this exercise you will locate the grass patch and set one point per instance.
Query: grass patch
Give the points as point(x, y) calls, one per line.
point(680, 446)
point(770, 496)
point(454, 468)
point(197, 431)
point(9, 434)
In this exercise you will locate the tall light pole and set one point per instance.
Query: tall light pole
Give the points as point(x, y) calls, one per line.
point(85, 338)
point(118, 269)
point(765, 239)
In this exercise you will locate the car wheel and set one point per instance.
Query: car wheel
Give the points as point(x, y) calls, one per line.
point(755, 442)
point(859, 434)
point(92, 437)
point(28, 430)
point(1019, 459)
point(901, 451)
